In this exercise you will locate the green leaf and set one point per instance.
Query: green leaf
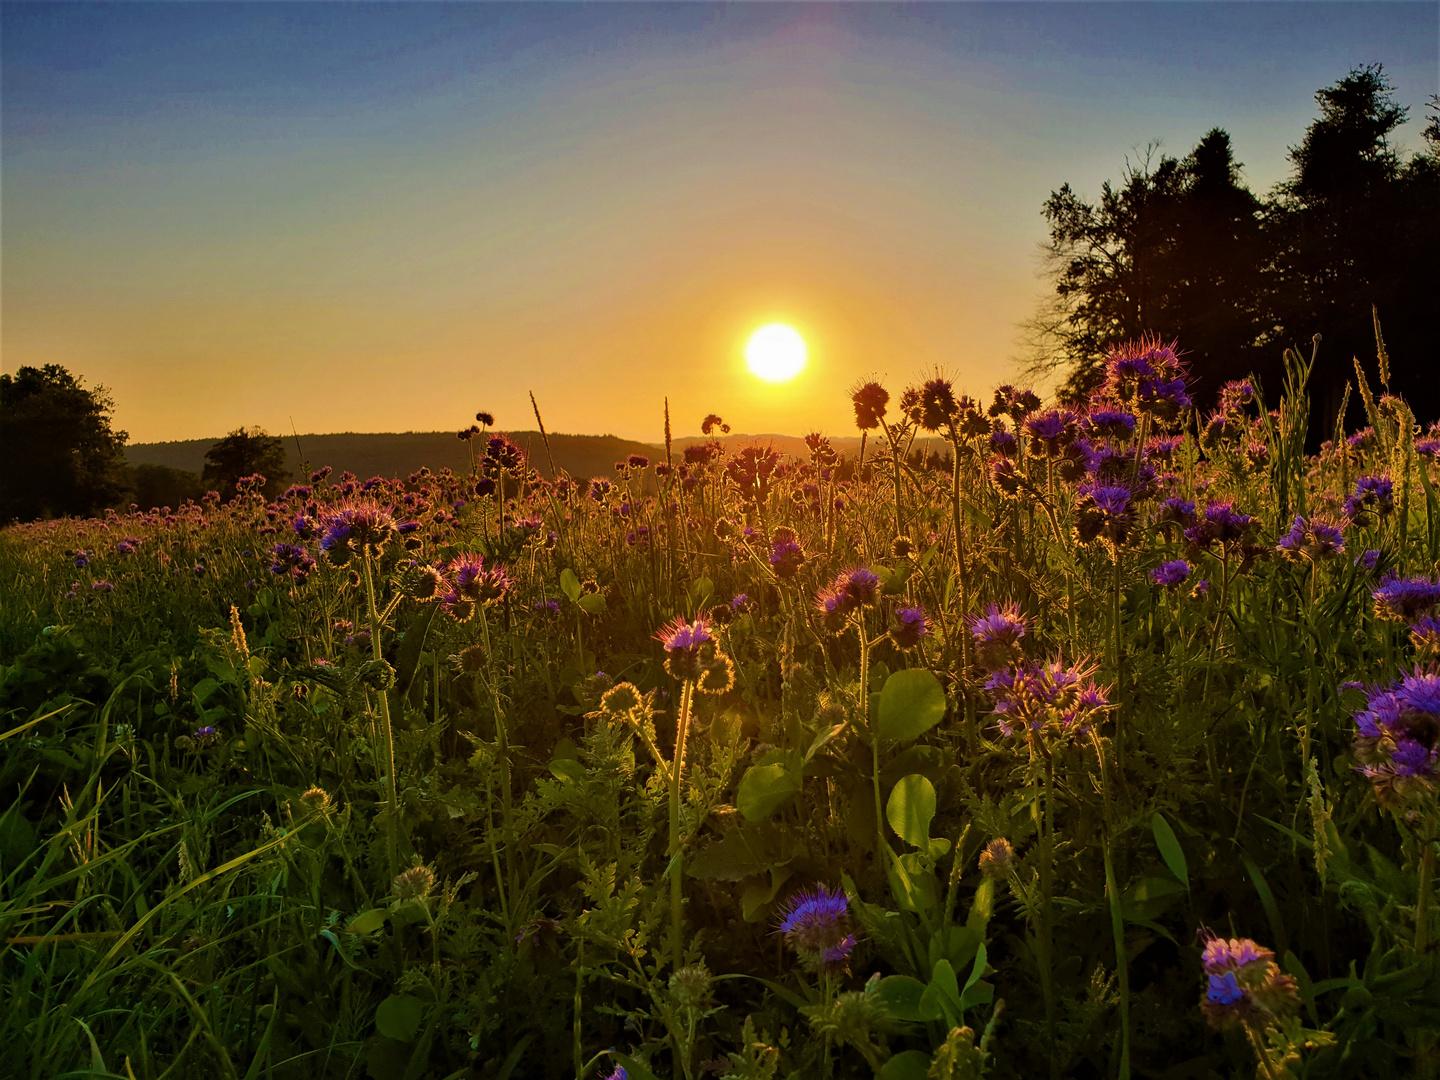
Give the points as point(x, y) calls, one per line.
point(411, 646)
point(911, 703)
point(203, 689)
point(592, 603)
point(976, 992)
point(755, 897)
point(901, 995)
point(764, 789)
point(567, 769)
point(570, 585)
point(906, 1065)
point(957, 944)
point(941, 999)
point(1170, 849)
point(398, 1017)
point(910, 809)
point(367, 922)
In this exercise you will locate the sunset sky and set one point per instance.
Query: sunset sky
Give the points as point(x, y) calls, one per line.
point(382, 217)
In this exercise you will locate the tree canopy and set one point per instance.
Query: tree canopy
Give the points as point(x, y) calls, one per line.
point(246, 452)
point(60, 454)
point(1181, 248)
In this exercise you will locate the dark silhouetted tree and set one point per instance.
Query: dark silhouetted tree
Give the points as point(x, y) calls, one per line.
point(1356, 226)
point(161, 485)
point(58, 452)
point(1175, 250)
point(245, 453)
point(1183, 249)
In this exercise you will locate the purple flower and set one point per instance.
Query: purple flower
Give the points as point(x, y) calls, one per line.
point(680, 636)
point(102, 586)
point(786, 554)
point(1220, 523)
point(817, 925)
point(1314, 540)
point(1373, 493)
point(82, 559)
point(1403, 599)
point(1046, 698)
point(740, 603)
point(1368, 559)
point(1224, 990)
point(1110, 423)
point(1170, 574)
point(1397, 741)
point(1050, 432)
point(911, 624)
point(291, 559)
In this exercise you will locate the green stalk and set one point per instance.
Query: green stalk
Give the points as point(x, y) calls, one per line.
point(677, 767)
point(502, 755)
point(874, 740)
point(392, 793)
point(1117, 921)
point(1422, 904)
point(1047, 910)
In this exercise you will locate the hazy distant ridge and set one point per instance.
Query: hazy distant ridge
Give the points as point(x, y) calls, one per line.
point(392, 454)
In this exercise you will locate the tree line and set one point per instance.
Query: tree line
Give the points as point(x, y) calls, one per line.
point(63, 456)
point(1182, 248)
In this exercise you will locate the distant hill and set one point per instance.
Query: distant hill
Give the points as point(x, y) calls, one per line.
point(386, 454)
point(389, 454)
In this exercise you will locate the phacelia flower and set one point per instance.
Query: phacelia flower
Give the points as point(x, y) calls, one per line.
point(1397, 741)
point(684, 642)
point(786, 554)
point(1110, 424)
point(870, 399)
point(1374, 494)
point(1048, 699)
point(1170, 574)
point(817, 926)
point(1244, 985)
point(1315, 539)
point(1221, 523)
point(997, 635)
point(1403, 599)
point(910, 625)
point(1103, 513)
point(1051, 432)
point(997, 858)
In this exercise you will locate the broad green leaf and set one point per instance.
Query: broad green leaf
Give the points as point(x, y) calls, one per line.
point(957, 944)
point(906, 1065)
point(901, 995)
point(367, 922)
point(911, 808)
point(755, 897)
point(592, 603)
point(911, 703)
point(975, 991)
point(570, 585)
point(913, 886)
point(398, 1017)
point(941, 1000)
point(1170, 849)
point(567, 769)
point(203, 689)
point(764, 789)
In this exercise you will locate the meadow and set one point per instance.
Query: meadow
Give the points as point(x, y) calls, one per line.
point(1105, 746)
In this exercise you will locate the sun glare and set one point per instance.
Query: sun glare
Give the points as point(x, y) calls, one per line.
point(775, 353)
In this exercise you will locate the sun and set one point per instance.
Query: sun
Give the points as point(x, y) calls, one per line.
point(775, 353)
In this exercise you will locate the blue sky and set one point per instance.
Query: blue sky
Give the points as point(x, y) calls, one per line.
point(385, 216)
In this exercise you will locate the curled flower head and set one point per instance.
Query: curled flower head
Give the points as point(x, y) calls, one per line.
point(1397, 741)
point(1221, 523)
point(1051, 432)
point(869, 399)
point(685, 645)
point(1373, 494)
point(1243, 984)
point(910, 626)
point(817, 926)
point(1403, 599)
point(1110, 424)
point(1049, 699)
point(1315, 539)
point(1425, 635)
point(936, 406)
point(786, 554)
point(997, 635)
point(1103, 512)
point(1170, 574)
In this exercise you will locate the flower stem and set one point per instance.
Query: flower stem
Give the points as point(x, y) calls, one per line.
point(682, 727)
point(391, 792)
point(1422, 904)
